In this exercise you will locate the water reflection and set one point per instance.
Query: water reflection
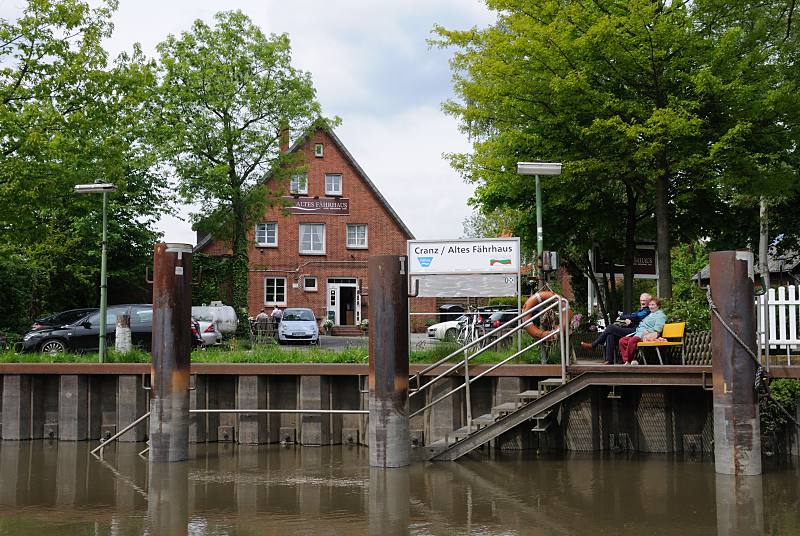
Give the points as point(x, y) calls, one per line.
point(48, 487)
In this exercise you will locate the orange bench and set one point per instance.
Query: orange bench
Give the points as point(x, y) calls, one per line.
point(670, 332)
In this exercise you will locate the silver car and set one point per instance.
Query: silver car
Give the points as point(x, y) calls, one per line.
point(210, 333)
point(298, 324)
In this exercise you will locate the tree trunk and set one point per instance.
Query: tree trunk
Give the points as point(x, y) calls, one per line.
point(600, 300)
point(630, 247)
point(662, 237)
point(763, 242)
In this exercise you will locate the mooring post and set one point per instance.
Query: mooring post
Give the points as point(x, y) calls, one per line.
point(737, 435)
point(389, 440)
point(172, 314)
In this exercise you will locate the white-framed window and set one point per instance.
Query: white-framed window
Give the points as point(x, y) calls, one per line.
point(333, 184)
point(274, 291)
point(309, 283)
point(319, 150)
point(357, 235)
point(299, 184)
point(267, 234)
point(312, 238)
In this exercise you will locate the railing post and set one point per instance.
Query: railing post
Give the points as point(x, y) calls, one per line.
point(389, 439)
point(737, 438)
point(172, 315)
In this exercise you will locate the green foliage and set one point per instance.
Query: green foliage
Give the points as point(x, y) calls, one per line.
point(773, 420)
point(227, 92)
point(67, 116)
point(665, 115)
point(688, 303)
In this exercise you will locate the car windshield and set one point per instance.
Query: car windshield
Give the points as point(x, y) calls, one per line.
point(298, 315)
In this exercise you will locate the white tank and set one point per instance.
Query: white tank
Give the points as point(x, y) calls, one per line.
point(222, 315)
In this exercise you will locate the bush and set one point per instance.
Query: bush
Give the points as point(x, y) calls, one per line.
point(688, 303)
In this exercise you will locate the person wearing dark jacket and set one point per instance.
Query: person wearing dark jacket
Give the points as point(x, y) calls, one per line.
point(611, 335)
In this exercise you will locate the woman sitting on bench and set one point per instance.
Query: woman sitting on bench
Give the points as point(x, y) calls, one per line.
point(648, 330)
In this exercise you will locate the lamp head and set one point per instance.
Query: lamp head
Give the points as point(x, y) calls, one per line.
point(539, 168)
point(98, 187)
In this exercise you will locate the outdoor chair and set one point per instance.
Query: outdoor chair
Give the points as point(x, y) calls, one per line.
point(674, 335)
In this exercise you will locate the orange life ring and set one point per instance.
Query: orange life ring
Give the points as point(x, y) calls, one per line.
point(543, 295)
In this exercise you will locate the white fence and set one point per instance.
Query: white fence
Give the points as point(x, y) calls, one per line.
point(779, 330)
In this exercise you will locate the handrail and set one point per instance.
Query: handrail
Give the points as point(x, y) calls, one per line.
point(484, 373)
point(554, 299)
point(103, 444)
point(558, 302)
point(542, 311)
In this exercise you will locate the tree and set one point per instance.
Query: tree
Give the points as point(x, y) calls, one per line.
point(68, 117)
point(227, 94)
point(652, 106)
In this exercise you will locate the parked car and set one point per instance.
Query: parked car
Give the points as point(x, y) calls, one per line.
point(209, 333)
point(61, 319)
point(446, 330)
point(498, 318)
point(298, 324)
point(83, 335)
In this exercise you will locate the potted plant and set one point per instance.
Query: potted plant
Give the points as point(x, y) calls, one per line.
point(327, 325)
point(364, 325)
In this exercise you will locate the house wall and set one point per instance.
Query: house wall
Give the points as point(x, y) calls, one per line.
point(385, 236)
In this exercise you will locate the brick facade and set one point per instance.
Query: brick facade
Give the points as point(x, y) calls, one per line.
point(386, 235)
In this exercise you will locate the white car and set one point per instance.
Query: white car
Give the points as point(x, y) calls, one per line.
point(298, 324)
point(445, 330)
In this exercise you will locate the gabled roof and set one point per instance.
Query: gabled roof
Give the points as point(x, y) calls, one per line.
point(303, 139)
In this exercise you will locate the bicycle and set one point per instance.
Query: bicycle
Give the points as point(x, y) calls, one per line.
point(470, 329)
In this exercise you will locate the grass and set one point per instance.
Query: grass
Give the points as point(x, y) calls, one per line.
point(242, 353)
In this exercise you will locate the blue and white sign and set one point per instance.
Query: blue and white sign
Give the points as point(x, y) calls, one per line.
point(471, 256)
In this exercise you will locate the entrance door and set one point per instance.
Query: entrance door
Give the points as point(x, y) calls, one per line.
point(344, 307)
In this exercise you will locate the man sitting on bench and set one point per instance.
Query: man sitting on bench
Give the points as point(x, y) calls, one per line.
point(611, 335)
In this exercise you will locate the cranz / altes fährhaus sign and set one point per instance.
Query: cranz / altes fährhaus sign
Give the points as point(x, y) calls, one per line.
point(472, 267)
point(334, 206)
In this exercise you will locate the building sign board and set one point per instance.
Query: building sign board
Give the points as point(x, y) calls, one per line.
point(471, 256)
point(336, 206)
point(645, 265)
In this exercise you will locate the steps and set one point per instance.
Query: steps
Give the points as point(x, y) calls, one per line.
point(534, 404)
point(346, 331)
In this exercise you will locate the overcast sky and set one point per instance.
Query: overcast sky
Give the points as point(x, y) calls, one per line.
point(372, 67)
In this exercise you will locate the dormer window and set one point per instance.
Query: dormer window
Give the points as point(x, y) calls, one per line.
point(299, 184)
point(333, 184)
point(319, 150)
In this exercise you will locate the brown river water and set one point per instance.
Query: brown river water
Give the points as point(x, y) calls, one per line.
point(59, 488)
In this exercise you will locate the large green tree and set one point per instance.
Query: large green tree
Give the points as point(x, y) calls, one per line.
point(228, 91)
point(69, 116)
point(652, 105)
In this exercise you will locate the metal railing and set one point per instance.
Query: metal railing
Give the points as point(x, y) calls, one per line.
point(104, 444)
point(557, 303)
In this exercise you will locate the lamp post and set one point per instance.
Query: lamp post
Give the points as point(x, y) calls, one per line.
point(105, 189)
point(537, 169)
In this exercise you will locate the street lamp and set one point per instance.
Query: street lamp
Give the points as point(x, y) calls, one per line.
point(537, 169)
point(105, 189)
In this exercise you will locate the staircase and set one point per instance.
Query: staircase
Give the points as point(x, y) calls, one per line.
point(346, 331)
point(534, 405)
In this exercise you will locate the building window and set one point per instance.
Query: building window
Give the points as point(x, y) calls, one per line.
point(319, 150)
point(357, 236)
point(267, 234)
point(309, 283)
point(299, 184)
point(312, 238)
point(333, 184)
point(274, 291)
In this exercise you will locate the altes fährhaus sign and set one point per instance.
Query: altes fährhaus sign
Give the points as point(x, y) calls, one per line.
point(319, 205)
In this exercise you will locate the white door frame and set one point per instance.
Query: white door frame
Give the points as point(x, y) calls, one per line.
point(334, 295)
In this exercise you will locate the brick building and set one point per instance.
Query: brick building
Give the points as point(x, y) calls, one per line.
point(314, 253)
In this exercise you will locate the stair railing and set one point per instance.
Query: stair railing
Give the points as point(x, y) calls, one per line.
point(555, 302)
